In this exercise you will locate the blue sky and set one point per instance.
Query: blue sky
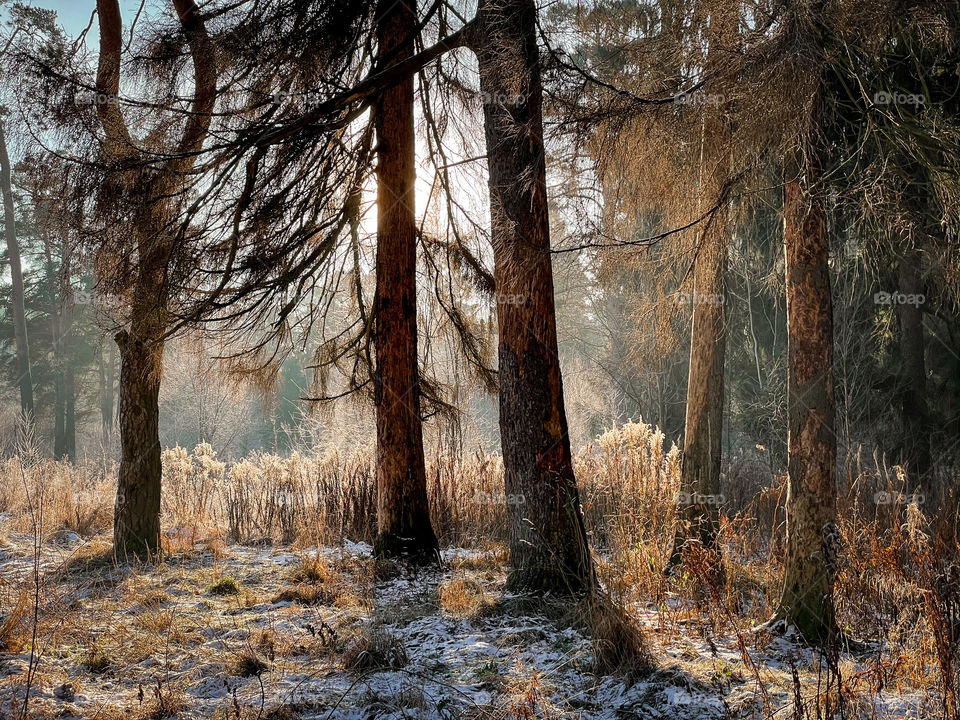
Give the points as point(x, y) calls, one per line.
point(74, 15)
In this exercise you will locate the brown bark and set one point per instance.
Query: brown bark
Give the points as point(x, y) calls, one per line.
point(137, 510)
point(913, 402)
point(548, 543)
point(136, 520)
point(18, 311)
point(403, 516)
point(806, 601)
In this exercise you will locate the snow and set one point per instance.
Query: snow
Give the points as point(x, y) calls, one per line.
point(488, 665)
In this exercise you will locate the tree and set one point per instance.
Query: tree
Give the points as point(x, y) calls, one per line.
point(548, 542)
point(402, 513)
point(806, 600)
point(18, 310)
point(698, 509)
point(150, 188)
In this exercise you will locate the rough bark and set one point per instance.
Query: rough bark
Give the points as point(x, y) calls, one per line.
point(913, 401)
point(24, 377)
point(136, 520)
point(403, 515)
point(548, 543)
point(806, 601)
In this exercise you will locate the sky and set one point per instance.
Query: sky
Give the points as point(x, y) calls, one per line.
point(74, 15)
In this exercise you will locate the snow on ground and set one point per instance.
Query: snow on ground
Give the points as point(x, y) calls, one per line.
point(176, 639)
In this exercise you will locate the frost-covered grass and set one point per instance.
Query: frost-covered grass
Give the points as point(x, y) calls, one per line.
point(245, 614)
point(313, 632)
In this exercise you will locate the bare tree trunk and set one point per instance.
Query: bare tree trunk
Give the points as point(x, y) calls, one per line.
point(403, 515)
point(68, 355)
point(913, 404)
point(24, 377)
point(548, 543)
point(806, 601)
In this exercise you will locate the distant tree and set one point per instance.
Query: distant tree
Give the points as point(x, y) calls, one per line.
point(24, 377)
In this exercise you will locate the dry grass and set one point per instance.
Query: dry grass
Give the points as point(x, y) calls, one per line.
point(464, 597)
point(374, 649)
point(897, 581)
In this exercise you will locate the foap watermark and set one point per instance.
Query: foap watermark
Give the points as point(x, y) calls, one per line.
point(695, 498)
point(700, 98)
point(310, 98)
point(88, 297)
point(885, 497)
point(482, 498)
point(92, 97)
point(684, 298)
point(898, 298)
point(677, 696)
point(892, 97)
point(509, 299)
point(506, 99)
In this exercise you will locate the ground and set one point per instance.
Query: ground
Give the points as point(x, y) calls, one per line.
point(282, 632)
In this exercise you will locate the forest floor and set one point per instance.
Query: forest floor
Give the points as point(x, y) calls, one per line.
point(281, 633)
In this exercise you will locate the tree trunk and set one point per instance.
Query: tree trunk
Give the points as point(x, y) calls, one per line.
point(806, 601)
point(698, 507)
point(403, 516)
point(18, 311)
point(548, 543)
point(66, 437)
point(916, 436)
point(136, 520)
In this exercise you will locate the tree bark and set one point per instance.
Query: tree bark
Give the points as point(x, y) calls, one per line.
point(806, 601)
point(136, 519)
point(913, 402)
point(403, 515)
point(548, 543)
point(18, 311)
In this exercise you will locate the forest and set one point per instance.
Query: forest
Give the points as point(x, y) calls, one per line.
point(480, 359)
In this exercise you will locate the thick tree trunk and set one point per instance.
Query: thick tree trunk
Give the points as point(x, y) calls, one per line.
point(806, 601)
point(548, 543)
point(136, 520)
point(913, 404)
point(403, 516)
point(18, 311)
